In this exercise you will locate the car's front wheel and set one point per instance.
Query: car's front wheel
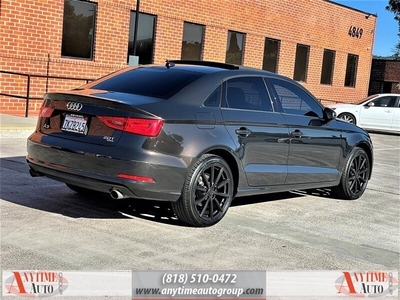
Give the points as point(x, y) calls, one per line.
point(355, 176)
point(207, 192)
point(347, 117)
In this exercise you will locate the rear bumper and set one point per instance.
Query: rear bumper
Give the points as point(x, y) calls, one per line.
point(99, 172)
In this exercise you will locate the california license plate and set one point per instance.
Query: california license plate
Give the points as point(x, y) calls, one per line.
point(75, 123)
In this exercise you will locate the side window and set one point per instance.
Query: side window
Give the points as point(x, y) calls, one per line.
point(247, 93)
point(389, 101)
point(295, 100)
point(214, 99)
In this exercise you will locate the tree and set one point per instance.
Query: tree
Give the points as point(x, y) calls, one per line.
point(394, 7)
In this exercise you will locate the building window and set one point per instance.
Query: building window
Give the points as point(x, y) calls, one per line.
point(351, 70)
point(78, 29)
point(234, 48)
point(271, 54)
point(145, 37)
point(301, 63)
point(192, 42)
point(327, 66)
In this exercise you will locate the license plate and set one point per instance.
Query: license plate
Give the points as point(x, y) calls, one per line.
point(75, 123)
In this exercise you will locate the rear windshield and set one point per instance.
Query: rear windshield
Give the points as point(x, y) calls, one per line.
point(152, 82)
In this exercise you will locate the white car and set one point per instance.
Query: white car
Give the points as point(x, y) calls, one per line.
point(379, 112)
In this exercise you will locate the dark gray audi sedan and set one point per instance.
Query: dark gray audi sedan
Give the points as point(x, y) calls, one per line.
point(197, 134)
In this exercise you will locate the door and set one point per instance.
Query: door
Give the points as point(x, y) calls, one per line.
point(315, 145)
point(396, 116)
point(260, 133)
point(378, 113)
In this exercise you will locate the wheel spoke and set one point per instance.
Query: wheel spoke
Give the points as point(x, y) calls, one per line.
point(221, 171)
point(205, 207)
point(225, 182)
point(221, 194)
point(352, 183)
point(211, 212)
point(217, 204)
point(212, 175)
point(201, 188)
point(198, 201)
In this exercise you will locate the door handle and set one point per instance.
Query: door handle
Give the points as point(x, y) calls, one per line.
point(243, 131)
point(387, 111)
point(297, 133)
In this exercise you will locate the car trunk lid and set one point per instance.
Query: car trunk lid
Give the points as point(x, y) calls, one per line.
point(92, 116)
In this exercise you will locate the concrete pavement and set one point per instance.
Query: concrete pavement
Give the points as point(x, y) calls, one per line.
point(16, 126)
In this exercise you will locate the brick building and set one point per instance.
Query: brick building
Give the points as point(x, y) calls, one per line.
point(324, 45)
point(385, 76)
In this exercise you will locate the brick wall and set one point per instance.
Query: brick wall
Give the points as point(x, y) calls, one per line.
point(392, 71)
point(31, 35)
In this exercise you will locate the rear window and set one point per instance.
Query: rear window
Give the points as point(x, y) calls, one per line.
point(152, 82)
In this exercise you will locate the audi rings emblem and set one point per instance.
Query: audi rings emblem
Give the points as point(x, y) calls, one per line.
point(74, 106)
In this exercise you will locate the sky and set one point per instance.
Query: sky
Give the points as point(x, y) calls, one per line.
point(387, 27)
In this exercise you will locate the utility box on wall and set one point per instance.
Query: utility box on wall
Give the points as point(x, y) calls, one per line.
point(133, 60)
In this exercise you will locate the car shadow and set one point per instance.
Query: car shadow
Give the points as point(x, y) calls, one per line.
point(44, 194)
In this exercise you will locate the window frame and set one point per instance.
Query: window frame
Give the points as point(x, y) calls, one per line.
point(133, 12)
point(325, 68)
point(351, 82)
point(201, 43)
point(278, 103)
point(92, 41)
point(277, 54)
point(297, 61)
point(228, 46)
point(224, 99)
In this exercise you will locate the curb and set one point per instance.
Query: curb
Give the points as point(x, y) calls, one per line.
point(13, 132)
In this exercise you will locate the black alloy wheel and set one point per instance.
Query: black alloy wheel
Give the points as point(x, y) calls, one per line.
point(207, 192)
point(355, 176)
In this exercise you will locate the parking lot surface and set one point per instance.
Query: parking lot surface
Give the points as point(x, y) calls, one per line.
point(44, 225)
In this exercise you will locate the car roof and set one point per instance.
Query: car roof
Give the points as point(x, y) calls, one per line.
point(208, 67)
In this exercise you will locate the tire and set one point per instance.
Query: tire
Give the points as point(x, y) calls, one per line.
point(347, 117)
point(355, 176)
point(207, 192)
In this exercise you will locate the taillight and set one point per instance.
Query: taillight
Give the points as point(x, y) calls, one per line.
point(136, 178)
point(45, 112)
point(146, 127)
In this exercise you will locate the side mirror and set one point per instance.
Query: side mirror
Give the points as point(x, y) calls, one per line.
point(371, 104)
point(329, 114)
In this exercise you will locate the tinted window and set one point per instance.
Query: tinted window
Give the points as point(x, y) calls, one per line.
point(247, 93)
point(301, 63)
point(327, 66)
point(234, 48)
point(214, 99)
point(388, 101)
point(144, 39)
point(153, 82)
point(271, 53)
point(78, 29)
point(351, 70)
point(295, 100)
point(192, 42)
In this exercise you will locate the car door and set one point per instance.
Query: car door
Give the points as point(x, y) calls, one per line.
point(396, 116)
point(315, 145)
point(260, 133)
point(378, 113)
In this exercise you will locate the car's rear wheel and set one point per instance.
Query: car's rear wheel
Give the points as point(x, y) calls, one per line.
point(347, 117)
point(355, 176)
point(207, 192)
